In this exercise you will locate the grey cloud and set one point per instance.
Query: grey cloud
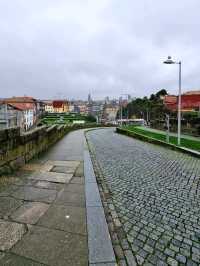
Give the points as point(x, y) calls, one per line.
point(108, 47)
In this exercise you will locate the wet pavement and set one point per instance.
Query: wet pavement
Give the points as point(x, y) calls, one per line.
point(43, 210)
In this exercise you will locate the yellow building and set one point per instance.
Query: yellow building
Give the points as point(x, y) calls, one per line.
point(60, 106)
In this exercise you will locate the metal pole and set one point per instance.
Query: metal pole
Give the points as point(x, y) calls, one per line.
point(121, 111)
point(147, 117)
point(6, 115)
point(167, 124)
point(179, 106)
point(199, 112)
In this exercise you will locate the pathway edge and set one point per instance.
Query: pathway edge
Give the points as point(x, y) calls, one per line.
point(99, 240)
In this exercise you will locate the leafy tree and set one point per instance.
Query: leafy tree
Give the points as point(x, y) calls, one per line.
point(148, 108)
point(90, 118)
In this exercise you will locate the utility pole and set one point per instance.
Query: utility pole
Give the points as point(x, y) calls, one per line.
point(121, 111)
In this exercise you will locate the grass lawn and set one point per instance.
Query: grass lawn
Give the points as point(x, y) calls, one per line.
point(187, 143)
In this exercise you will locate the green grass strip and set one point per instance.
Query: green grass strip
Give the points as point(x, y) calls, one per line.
point(187, 143)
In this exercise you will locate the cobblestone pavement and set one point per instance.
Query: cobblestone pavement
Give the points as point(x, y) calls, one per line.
point(156, 194)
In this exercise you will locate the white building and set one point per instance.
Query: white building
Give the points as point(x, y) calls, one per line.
point(9, 116)
point(71, 108)
point(24, 107)
point(48, 107)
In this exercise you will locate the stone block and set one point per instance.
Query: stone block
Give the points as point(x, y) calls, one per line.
point(10, 234)
point(67, 218)
point(30, 212)
point(35, 194)
point(53, 247)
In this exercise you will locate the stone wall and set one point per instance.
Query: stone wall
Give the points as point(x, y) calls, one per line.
point(17, 148)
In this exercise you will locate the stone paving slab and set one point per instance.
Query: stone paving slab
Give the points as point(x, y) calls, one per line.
point(44, 212)
point(30, 212)
point(79, 170)
point(71, 198)
point(10, 234)
point(8, 205)
point(71, 163)
point(63, 169)
point(37, 167)
point(71, 219)
point(103, 264)
point(77, 180)
point(51, 177)
point(9, 259)
point(35, 194)
point(53, 247)
point(24, 181)
point(75, 188)
point(8, 190)
point(47, 185)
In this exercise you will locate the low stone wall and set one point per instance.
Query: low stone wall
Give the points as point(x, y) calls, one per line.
point(17, 148)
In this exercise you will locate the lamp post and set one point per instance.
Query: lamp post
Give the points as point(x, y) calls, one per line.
point(169, 61)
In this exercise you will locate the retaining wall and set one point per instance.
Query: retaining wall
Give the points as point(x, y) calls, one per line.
point(17, 148)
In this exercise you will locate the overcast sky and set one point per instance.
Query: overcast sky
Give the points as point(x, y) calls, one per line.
point(56, 48)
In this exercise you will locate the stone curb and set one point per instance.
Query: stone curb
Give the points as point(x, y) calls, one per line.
point(123, 253)
point(99, 241)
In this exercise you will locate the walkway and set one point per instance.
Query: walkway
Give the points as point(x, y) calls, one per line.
point(172, 134)
point(43, 211)
point(156, 195)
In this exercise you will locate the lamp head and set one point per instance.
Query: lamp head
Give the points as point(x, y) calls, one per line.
point(169, 61)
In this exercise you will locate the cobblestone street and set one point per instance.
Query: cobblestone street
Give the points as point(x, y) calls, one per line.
point(156, 194)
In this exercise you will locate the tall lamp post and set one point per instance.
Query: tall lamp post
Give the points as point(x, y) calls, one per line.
point(169, 61)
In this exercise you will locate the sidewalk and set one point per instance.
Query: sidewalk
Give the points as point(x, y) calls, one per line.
point(43, 210)
point(172, 134)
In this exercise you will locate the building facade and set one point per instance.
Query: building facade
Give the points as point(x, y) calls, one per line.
point(10, 116)
point(190, 101)
point(48, 107)
point(61, 106)
point(25, 110)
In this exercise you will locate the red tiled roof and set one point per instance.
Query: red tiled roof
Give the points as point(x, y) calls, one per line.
point(23, 99)
point(192, 93)
point(59, 103)
point(23, 106)
point(188, 101)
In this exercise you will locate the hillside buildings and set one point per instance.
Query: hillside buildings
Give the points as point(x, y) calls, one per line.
point(48, 106)
point(110, 113)
point(56, 106)
point(20, 111)
point(25, 112)
point(61, 106)
point(190, 101)
point(10, 116)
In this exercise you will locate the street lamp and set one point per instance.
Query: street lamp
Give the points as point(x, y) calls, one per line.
point(169, 61)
